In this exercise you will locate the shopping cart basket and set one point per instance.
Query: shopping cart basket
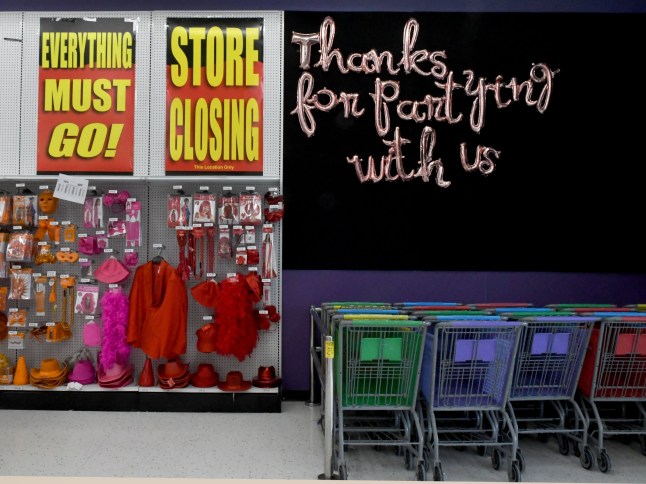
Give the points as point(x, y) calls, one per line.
point(377, 368)
point(464, 387)
point(542, 398)
point(613, 383)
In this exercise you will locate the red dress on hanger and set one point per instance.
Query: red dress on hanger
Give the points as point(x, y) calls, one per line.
point(158, 311)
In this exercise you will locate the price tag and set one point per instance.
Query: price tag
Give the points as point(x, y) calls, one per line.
point(113, 286)
point(91, 187)
point(253, 269)
point(227, 189)
point(66, 222)
point(252, 247)
point(204, 189)
point(210, 274)
point(100, 232)
point(15, 266)
point(114, 192)
point(131, 199)
point(43, 217)
point(51, 273)
point(17, 227)
point(248, 227)
point(197, 225)
point(274, 207)
point(84, 281)
point(13, 310)
point(207, 318)
point(263, 311)
point(113, 219)
point(65, 276)
point(273, 189)
point(108, 251)
point(71, 188)
point(158, 246)
point(89, 318)
point(266, 281)
point(82, 235)
point(231, 274)
point(65, 249)
point(35, 325)
point(36, 274)
point(13, 333)
point(208, 224)
point(83, 259)
point(128, 250)
point(177, 187)
point(42, 243)
point(50, 323)
point(43, 187)
point(53, 222)
point(20, 185)
point(250, 189)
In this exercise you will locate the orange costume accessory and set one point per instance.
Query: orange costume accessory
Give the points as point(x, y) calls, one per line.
point(157, 319)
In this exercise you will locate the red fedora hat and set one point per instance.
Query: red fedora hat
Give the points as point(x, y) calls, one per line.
point(173, 369)
point(235, 382)
point(205, 376)
point(266, 378)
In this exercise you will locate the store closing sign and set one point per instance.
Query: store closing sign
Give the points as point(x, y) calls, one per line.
point(214, 82)
point(86, 95)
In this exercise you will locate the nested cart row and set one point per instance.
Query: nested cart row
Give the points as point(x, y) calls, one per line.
point(419, 376)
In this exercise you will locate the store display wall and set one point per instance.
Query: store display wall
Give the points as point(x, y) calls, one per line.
point(304, 288)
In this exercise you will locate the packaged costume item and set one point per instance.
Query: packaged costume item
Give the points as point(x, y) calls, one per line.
point(225, 249)
point(24, 210)
point(17, 318)
point(5, 208)
point(133, 224)
point(93, 212)
point(116, 200)
point(204, 207)
point(87, 298)
point(20, 247)
point(20, 280)
point(228, 208)
point(269, 262)
point(250, 208)
point(4, 240)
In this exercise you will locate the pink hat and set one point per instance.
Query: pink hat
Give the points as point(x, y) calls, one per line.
point(111, 271)
point(83, 372)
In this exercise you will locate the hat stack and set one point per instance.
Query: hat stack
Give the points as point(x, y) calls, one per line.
point(117, 376)
point(83, 373)
point(173, 374)
point(51, 374)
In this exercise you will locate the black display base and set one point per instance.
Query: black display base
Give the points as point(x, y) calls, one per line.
point(120, 401)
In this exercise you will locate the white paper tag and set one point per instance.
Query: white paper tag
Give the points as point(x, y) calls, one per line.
point(250, 189)
point(43, 187)
point(204, 189)
point(71, 188)
point(207, 318)
point(227, 189)
point(108, 251)
point(177, 187)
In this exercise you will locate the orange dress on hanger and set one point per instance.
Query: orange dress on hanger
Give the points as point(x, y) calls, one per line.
point(158, 311)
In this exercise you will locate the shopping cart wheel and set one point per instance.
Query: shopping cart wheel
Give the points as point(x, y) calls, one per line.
point(438, 473)
point(496, 458)
point(521, 460)
point(586, 458)
point(514, 473)
point(421, 472)
point(604, 461)
point(564, 444)
point(343, 472)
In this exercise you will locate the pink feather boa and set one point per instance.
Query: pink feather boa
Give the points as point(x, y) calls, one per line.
point(114, 348)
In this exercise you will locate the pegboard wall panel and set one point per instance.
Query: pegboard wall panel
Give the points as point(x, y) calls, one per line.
point(10, 60)
point(30, 69)
point(272, 88)
point(37, 349)
point(268, 348)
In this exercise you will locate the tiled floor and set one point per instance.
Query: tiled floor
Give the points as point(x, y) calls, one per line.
point(287, 445)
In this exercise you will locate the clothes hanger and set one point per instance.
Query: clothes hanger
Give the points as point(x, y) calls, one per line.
point(158, 258)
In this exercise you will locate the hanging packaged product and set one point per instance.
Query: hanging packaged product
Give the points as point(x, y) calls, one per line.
point(4, 240)
point(224, 242)
point(269, 262)
point(102, 241)
point(250, 234)
point(253, 256)
point(197, 242)
point(20, 247)
point(266, 292)
point(228, 208)
point(87, 299)
point(5, 208)
point(274, 206)
point(250, 207)
point(238, 236)
point(4, 292)
point(40, 286)
point(16, 340)
point(210, 249)
point(133, 224)
point(204, 207)
point(47, 202)
point(93, 212)
point(44, 254)
point(116, 228)
point(24, 211)
point(17, 318)
point(92, 334)
point(88, 245)
point(116, 200)
point(48, 227)
point(185, 213)
point(241, 256)
point(20, 284)
point(179, 210)
point(69, 232)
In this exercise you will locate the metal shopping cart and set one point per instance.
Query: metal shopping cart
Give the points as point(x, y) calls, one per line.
point(464, 386)
point(612, 384)
point(548, 364)
point(377, 368)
